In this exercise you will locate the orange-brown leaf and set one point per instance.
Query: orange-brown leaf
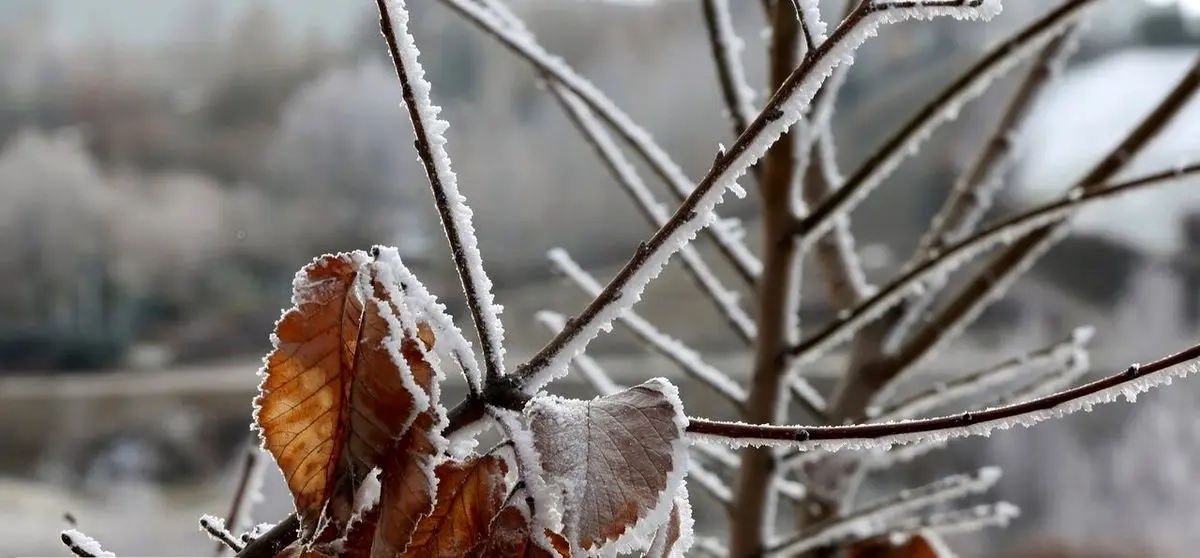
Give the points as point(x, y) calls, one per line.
point(509, 535)
point(360, 535)
point(406, 491)
point(469, 495)
point(334, 397)
point(916, 546)
point(300, 409)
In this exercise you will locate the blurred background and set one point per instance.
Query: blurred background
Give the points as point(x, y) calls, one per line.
point(167, 165)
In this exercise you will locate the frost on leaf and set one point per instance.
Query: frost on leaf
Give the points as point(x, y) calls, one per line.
point(510, 534)
point(616, 462)
point(407, 485)
point(469, 495)
point(344, 380)
point(675, 536)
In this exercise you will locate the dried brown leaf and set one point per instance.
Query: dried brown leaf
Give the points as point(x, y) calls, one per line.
point(338, 389)
point(510, 535)
point(469, 495)
point(916, 546)
point(617, 459)
point(406, 486)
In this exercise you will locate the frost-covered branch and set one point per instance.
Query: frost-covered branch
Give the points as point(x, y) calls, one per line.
point(1005, 231)
point(1059, 355)
point(975, 189)
point(727, 53)
point(215, 527)
point(943, 108)
point(806, 396)
point(247, 493)
point(451, 205)
point(782, 110)
point(1128, 384)
point(960, 521)
point(681, 355)
point(835, 254)
point(523, 44)
point(626, 175)
point(878, 517)
point(84, 546)
point(991, 282)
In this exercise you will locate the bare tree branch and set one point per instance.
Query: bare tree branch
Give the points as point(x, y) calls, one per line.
point(975, 189)
point(955, 255)
point(524, 45)
point(991, 281)
point(215, 527)
point(82, 545)
point(685, 358)
point(1128, 383)
point(726, 49)
point(940, 109)
point(451, 205)
point(725, 299)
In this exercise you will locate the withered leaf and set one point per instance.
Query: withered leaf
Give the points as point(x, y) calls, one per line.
point(510, 535)
point(674, 537)
point(469, 495)
point(333, 396)
point(406, 486)
point(616, 459)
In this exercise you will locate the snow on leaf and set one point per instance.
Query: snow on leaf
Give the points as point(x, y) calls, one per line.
point(675, 536)
point(510, 535)
point(469, 495)
point(617, 460)
point(344, 380)
point(408, 485)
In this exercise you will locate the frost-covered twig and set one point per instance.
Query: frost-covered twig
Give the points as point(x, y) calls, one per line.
point(994, 278)
point(710, 546)
point(1057, 355)
point(248, 491)
point(834, 252)
point(522, 43)
point(806, 395)
point(876, 518)
point(681, 355)
point(783, 110)
point(626, 175)
point(961, 521)
point(84, 546)
point(941, 109)
point(592, 372)
point(975, 189)
point(727, 53)
point(1128, 384)
point(954, 256)
point(451, 205)
point(215, 528)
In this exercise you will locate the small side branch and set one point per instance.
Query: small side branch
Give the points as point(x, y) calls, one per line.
point(215, 527)
point(626, 175)
point(451, 205)
point(727, 52)
point(682, 356)
point(941, 109)
point(913, 281)
point(84, 546)
point(1128, 384)
point(876, 518)
point(524, 45)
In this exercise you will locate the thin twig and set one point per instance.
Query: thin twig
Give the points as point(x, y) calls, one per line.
point(215, 527)
point(726, 50)
point(247, 484)
point(1128, 383)
point(83, 546)
point(626, 175)
point(956, 255)
point(971, 84)
point(685, 358)
point(727, 241)
point(451, 206)
point(975, 189)
point(993, 279)
point(834, 252)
